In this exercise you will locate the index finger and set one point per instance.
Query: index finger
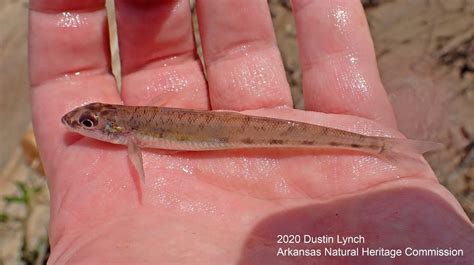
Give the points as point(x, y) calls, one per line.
point(69, 65)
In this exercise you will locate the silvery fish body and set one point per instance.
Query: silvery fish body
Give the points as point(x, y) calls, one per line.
point(200, 130)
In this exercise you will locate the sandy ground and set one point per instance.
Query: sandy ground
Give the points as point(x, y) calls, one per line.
point(425, 51)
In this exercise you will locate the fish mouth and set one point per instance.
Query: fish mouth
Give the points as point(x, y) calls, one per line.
point(64, 120)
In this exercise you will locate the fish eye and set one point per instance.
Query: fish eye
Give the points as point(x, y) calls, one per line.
point(88, 120)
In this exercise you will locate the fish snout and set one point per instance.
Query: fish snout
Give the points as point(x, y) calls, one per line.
point(65, 120)
point(69, 120)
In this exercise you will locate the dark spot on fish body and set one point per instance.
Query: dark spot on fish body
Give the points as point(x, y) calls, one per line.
point(356, 145)
point(334, 143)
point(276, 141)
point(308, 142)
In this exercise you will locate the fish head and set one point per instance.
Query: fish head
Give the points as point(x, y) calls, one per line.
point(95, 120)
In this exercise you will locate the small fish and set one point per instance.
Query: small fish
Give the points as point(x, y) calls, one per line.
point(198, 130)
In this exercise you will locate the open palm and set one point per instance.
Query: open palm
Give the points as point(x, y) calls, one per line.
point(223, 207)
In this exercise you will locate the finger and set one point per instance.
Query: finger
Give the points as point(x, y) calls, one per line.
point(69, 66)
point(243, 63)
point(338, 60)
point(159, 61)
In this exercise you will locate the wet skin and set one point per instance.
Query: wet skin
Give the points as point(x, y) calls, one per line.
point(226, 206)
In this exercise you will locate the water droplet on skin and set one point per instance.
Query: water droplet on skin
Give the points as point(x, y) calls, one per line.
point(69, 76)
point(352, 59)
point(360, 82)
point(255, 76)
point(281, 187)
point(352, 78)
point(187, 169)
point(168, 82)
point(342, 17)
point(70, 20)
point(186, 206)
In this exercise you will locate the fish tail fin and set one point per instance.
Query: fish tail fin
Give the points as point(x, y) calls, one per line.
point(406, 153)
point(407, 146)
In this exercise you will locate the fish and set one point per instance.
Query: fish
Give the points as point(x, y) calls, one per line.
point(179, 129)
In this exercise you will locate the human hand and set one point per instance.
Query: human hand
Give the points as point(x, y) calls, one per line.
point(223, 207)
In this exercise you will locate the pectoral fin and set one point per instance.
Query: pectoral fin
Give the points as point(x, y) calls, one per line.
point(135, 156)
